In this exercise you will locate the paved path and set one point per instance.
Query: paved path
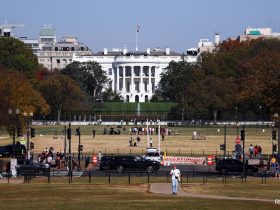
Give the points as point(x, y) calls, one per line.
point(165, 189)
point(12, 180)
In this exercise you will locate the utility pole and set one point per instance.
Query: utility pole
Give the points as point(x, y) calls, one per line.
point(79, 147)
point(243, 139)
point(65, 142)
point(278, 139)
point(70, 157)
point(225, 141)
point(278, 142)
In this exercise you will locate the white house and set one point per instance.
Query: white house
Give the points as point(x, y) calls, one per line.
point(134, 75)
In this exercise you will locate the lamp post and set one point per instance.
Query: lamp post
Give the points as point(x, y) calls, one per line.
point(237, 129)
point(236, 122)
point(28, 117)
point(78, 132)
point(277, 125)
point(260, 110)
point(14, 120)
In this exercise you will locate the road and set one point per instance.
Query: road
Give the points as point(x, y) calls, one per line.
point(163, 171)
point(186, 170)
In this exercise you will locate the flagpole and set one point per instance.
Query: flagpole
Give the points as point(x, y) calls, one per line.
point(136, 40)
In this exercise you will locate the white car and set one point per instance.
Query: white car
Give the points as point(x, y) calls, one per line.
point(153, 154)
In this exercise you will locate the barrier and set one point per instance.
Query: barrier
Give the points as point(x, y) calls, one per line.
point(210, 160)
point(166, 163)
point(94, 160)
point(185, 160)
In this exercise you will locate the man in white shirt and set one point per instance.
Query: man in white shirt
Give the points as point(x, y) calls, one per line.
point(176, 178)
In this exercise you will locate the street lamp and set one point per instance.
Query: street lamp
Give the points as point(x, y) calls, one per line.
point(236, 122)
point(277, 125)
point(14, 122)
point(237, 129)
point(28, 117)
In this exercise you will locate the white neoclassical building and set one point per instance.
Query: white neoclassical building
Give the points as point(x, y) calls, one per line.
point(134, 75)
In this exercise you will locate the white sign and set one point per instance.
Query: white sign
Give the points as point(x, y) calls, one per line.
point(186, 160)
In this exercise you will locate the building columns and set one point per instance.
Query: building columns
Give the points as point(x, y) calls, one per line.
point(118, 80)
point(123, 87)
point(132, 85)
point(150, 80)
point(141, 85)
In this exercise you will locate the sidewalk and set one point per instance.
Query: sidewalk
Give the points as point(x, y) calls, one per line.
point(11, 181)
point(165, 189)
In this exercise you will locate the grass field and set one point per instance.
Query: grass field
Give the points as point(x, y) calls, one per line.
point(176, 145)
point(59, 194)
point(81, 195)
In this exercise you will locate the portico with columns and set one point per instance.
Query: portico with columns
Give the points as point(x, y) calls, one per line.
point(136, 82)
point(133, 75)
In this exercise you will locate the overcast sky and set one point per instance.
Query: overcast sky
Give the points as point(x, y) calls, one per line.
point(178, 24)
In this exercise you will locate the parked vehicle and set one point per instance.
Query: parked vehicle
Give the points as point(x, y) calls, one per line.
point(232, 165)
point(7, 150)
point(153, 154)
point(122, 163)
point(28, 167)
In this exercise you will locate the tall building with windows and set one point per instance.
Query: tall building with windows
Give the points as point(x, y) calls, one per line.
point(53, 54)
point(57, 55)
point(257, 33)
point(134, 75)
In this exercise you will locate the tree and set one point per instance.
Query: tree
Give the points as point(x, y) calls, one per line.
point(177, 82)
point(16, 92)
point(261, 79)
point(89, 75)
point(61, 92)
point(215, 98)
point(16, 56)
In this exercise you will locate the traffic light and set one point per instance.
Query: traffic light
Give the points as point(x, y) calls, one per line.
point(32, 132)
point(19, 131)
point(222, 146)
point(68, 133)
point(31, 145)
point(274, 147)
point(273, 134)
point(78, 131)
point(81, 147)
point(242, 135)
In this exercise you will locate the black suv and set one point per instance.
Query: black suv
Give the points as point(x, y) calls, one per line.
point(231, 165)
point(28, 167)
point(126, 162)
point(7, 150)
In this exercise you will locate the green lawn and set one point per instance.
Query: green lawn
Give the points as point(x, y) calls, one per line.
point(81, 195)
point(253, 188)
point(151, 108)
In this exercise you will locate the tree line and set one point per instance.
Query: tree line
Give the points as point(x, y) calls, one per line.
point(240, 81)
point(29, 87)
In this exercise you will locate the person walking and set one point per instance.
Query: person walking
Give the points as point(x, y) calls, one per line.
point(176, 178)
point(276, 170)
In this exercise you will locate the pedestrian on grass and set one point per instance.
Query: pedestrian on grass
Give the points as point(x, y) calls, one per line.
point(176, 178)
point(93, 133)
point(151, 142)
